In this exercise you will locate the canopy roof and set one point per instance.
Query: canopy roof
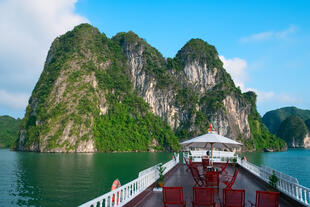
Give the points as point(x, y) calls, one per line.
point(212, 137)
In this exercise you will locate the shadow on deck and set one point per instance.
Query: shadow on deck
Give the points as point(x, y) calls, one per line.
point(180, 177)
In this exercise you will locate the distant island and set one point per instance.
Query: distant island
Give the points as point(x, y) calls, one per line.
point(120, 94)
point(291, 124)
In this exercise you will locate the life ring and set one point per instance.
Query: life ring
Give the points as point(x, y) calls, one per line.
point(116, 184)
point(244, 159)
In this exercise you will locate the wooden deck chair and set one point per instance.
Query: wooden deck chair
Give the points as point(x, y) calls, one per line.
point(205, 163)
point(203, 196)
point(223, 168)
point(266, 199)
point(199, 180)
point(173, 196)
point(233, 198)
point(230, 180)
point(212, 179)
point(187, 164)
point(195, 164)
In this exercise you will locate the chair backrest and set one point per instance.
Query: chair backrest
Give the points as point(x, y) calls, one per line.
point(205, 162)
point(232, 181)
point(173, 195)
point(203, 196)
point(190, 162)
point(196, 176)
point(235, 175)
point(233, 198)
point(223, 168)
point(212, 179)
point(267, 199)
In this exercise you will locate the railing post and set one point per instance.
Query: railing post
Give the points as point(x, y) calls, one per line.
point(119, 197)
point(106, 202)
point(287, 187)
point(128, 192)
point(301, 196)
point(110, 200)
point(305, 196)
point(292, 190)
point(297, 192)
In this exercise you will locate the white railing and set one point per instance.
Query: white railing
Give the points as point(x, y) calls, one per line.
point(122, 195)
point(218, 156)
point(148, 170)
point(216, 153)
point(286, 184)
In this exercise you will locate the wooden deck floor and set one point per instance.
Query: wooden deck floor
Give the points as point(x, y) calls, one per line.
point(181, 177)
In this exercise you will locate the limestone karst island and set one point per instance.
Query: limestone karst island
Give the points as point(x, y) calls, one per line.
point(150, 104)
point(120, 94)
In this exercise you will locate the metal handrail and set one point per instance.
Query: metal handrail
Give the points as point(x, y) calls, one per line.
point(286, 184)
point(129, 191)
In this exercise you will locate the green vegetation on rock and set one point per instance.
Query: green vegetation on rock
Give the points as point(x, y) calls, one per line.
point(9, 128)
point(261, 137)
point(290, 123)
point(293, 130)
point(199, 50)
point(274, 118)
point(307, 122)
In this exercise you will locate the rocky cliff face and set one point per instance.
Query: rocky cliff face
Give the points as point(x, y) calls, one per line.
point(200, 78)
point(120, 94)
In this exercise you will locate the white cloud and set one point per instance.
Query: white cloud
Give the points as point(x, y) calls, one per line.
point(13, 100)
point(270, 96)
point(237, 68)
point(28, 28)
point(270, 35)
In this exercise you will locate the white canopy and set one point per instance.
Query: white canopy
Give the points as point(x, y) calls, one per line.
point(212, 138)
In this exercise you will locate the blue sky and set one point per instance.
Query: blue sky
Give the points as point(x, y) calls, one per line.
point(264, 45)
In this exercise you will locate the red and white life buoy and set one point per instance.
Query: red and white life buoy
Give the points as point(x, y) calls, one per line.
point(116, 184)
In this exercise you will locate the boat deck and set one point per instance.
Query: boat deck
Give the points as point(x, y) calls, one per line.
point(180, 177)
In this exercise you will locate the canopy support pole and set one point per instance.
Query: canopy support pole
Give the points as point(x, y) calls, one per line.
point(212, 154)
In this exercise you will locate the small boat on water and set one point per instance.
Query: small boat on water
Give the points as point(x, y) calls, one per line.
point(268, 150)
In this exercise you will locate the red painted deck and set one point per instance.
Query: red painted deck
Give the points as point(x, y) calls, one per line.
point(180, 177)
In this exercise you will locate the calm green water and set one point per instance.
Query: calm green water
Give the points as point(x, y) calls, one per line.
point(294, 162)
point(51, 180)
